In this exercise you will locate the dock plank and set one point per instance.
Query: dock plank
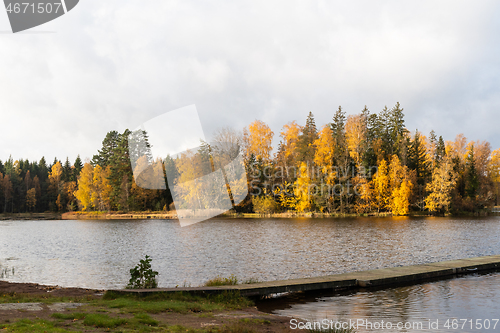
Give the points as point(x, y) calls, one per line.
point(363, 279)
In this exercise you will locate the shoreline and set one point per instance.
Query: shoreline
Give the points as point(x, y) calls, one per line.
point(162, 215)
point(50, 308)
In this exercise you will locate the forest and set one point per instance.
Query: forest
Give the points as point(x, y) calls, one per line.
point(366, 163)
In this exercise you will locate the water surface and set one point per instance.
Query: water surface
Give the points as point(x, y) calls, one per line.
point(469, 300)
point(99, 254)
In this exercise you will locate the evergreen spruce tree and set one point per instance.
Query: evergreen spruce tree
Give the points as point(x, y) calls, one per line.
point(78, 166)
point(305, 144)
point(121, 172)
point(440, 152)
point(418, 158)
point(109, 146)
point(472, 177)
point(67, 173)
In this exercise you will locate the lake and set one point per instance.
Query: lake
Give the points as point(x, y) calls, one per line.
point(466, 304)
point(99, 254)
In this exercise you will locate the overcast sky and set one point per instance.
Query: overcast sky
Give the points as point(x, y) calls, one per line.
point(114, 64)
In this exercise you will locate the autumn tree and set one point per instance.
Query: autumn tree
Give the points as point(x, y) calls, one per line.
point(356, 133)
point(31, 199)
point(100, 196)
point(288, 152)
point(302, 191)
point(55, 185)
point(400, 186)
point(258, 140)
point(400, 204)
point(381, 189)
point(323, 157)
point(494, 172)
point(364, 191)
point(85, 187)
point(440, 188)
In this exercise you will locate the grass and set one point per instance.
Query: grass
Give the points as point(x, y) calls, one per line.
point(42, 298)
point(132, 313)
point(222, 281)
point(255, 321)
point(173, 302)
point(28, 326)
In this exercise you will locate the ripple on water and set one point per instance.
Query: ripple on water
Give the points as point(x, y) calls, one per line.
point(99, 254)
point(468, 297)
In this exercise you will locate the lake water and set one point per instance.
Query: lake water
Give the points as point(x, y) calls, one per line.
point(467, 304)
point(99, 254)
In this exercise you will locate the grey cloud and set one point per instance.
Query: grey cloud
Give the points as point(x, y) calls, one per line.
point(115, 64)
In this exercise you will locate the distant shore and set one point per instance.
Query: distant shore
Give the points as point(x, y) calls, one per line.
point(172, 215)
point(30, 216)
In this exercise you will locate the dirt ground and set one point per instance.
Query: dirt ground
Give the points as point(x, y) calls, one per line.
point(250, 317)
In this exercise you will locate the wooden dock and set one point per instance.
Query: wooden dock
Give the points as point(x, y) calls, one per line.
point(374, 278)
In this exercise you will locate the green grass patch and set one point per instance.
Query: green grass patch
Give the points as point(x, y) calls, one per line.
point(69, 316)
point(92, 319)
point(46, 299)
point(173, 302)
point(103, 320)
point(29, 326)
point(145, 319)
point(222, 281)
point(255, 321)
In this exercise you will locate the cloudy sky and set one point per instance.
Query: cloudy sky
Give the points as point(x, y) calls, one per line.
point(114, 64)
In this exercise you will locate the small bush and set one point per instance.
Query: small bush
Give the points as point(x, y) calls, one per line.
point(222, 281)
point(142, 276)
point(264, 204)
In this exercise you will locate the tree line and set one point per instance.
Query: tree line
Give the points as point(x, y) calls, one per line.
point(368, 163)
point(362, 163)
point(104, 183)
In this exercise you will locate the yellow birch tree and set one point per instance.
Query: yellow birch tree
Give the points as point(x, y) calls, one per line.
point(258, 140)
point(381, 190)
point(355, 132)
point(85, 187)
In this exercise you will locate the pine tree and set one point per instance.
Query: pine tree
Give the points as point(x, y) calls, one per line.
point(78, 165)
point(418, 158)
point(67, 172)
point(440, 152)
point(121, 175)
point(472, 177)
point(305, 144)
point(109, 146)
point(341, 158)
